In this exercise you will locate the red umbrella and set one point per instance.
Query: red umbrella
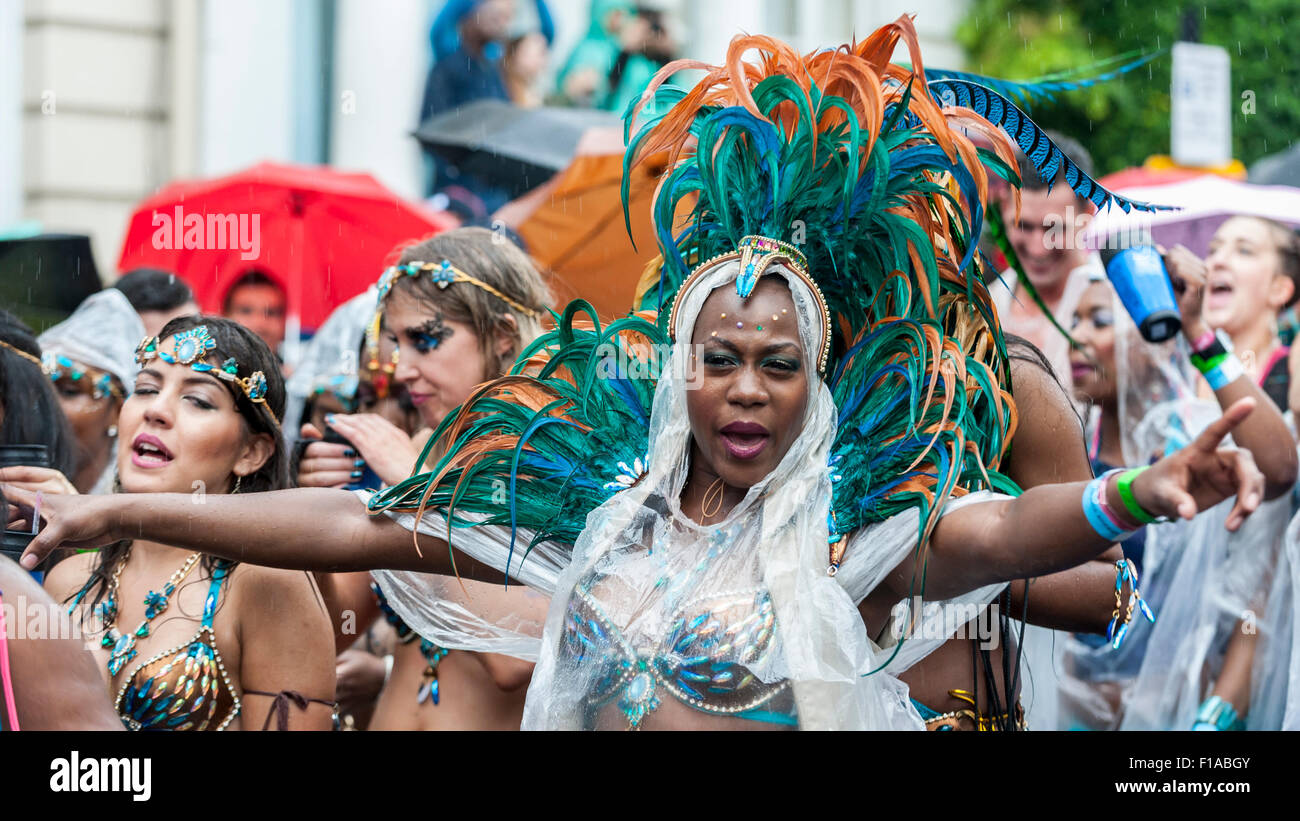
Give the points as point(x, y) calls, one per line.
point(323, 234)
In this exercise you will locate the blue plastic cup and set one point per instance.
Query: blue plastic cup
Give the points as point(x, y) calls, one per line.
point(1142, 282)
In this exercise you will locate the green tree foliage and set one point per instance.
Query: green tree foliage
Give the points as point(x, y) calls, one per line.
point(1126, 120)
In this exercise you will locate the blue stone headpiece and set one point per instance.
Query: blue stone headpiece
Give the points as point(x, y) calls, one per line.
point(190, 347)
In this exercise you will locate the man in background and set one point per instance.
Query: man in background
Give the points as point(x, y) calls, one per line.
point(257, 302)
point(157, 296)
point(1046, 239)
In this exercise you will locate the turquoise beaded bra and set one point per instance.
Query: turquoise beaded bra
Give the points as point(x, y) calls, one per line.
point(704, 660)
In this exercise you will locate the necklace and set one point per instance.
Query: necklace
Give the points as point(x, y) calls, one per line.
point(122, 645)
point(712, 498)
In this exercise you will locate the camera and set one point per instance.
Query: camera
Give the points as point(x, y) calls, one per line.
point(16, 541)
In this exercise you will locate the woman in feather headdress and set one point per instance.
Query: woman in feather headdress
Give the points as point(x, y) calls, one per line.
point(814, 403)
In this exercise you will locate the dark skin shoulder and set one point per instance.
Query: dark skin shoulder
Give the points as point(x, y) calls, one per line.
point(1047, 448)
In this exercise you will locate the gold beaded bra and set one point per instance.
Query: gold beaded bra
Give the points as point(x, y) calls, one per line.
point(185, 687)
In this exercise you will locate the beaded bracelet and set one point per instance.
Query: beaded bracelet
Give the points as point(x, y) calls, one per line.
point(1124, 571)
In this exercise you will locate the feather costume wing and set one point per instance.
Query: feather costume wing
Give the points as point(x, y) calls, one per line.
point(542, 447)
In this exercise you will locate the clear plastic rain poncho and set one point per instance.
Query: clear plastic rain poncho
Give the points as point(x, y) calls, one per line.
point(656, 621)
point(102, 333)
point(1202, 581)
point(1275, 675)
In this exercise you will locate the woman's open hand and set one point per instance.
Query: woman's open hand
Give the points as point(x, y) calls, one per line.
point(1203, 474)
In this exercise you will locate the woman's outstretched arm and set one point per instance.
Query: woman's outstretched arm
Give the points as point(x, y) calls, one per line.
point(1045, 530)
point(320, 529)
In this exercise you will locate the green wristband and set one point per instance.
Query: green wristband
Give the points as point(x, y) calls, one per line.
point(1206, 365)
point(1125, 486)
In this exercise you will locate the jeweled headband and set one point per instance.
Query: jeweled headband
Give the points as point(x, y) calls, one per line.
point(190, 347)
point(57, 366)
point(445, 274)
point(755, 254)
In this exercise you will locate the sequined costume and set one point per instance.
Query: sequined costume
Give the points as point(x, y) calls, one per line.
point(705, 658)
point(185, 687)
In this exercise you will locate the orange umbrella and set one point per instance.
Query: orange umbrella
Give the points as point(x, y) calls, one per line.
point(573, 225)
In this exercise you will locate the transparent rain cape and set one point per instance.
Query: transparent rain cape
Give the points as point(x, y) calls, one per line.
point(1275, 676)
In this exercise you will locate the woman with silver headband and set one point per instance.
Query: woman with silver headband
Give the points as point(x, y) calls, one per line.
point(197, 641)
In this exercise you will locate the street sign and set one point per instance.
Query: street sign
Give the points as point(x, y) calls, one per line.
point(1201, 102)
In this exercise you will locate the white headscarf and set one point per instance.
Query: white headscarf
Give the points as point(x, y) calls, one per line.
point(103, 333)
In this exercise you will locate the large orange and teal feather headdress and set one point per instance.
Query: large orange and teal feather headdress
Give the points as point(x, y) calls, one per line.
point(870, 173)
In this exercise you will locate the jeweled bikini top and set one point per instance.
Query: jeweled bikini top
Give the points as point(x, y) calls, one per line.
point(706, 648)
point(186, 687)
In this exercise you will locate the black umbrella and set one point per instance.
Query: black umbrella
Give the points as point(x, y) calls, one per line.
point(1282, 168)
point(44, 278)
point(510, 148)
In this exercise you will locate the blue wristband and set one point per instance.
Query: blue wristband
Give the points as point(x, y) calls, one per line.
point(1225, 373)
point(1096, 516)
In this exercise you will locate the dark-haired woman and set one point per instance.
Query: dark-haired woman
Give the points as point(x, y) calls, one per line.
point(29, 410)
point(187, 641)
point(1135, 387)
